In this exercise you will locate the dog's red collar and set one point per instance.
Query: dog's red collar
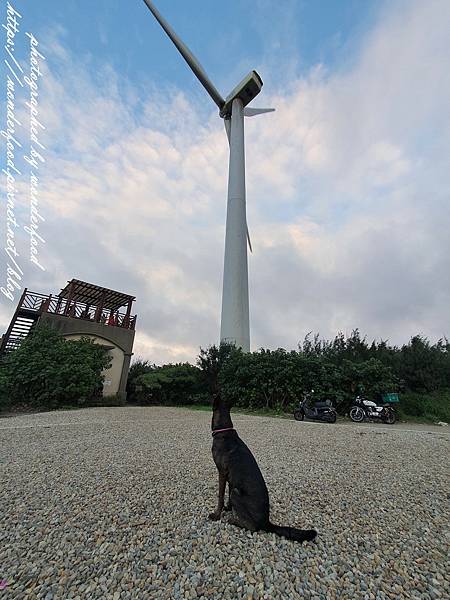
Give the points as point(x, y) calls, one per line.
point(220, 430)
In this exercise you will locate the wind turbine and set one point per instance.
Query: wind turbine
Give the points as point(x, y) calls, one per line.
point(235, 326)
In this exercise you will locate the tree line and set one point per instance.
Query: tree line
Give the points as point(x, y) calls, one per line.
point(338, 369)
point(48, 371)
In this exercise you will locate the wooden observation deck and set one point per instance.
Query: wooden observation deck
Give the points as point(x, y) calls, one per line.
point(77, 300)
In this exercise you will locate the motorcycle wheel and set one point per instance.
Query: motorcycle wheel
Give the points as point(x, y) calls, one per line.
point(299, 415)
point(356, 414)
point(331, 417)
point(389, 417)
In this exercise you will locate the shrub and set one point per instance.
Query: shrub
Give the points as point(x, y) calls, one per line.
point(211, 361)
point(169, 384)
point(424, 367)
point(49, 371)
point(138, 368)
point(433, 406)
point(276, 379)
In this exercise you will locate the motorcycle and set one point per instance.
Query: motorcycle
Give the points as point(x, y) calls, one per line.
point(363, 409)
point(315, 410)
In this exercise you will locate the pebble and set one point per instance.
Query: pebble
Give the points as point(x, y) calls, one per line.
point(112, 503)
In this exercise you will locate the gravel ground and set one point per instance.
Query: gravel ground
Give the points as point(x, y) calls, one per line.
point(112, 503)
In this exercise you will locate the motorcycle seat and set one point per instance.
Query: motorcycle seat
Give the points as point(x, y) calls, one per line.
point(322, 404)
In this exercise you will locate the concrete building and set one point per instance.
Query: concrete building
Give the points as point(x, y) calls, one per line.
point(81, 309)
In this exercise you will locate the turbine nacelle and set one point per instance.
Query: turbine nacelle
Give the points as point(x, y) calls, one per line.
point(245, 91)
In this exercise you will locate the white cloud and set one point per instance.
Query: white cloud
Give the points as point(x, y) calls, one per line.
point(347, 196)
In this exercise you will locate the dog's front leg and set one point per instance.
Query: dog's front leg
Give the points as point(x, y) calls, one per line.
point(215, 516)
point(228, 506)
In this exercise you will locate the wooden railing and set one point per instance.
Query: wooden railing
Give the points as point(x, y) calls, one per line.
point(56, 305)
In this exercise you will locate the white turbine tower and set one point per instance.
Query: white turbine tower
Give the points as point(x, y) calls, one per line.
point(235, 306)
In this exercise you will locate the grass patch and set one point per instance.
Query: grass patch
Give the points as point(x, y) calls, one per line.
point(430, 408)
point(203, 407)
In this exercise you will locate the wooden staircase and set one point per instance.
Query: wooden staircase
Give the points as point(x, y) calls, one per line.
point(23, 320)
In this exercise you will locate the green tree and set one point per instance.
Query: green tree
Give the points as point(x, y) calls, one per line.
point(424, 367)
point(170, 384)
point(138, 368)
point(212, 360)
point(272, 379)
point(49, 371)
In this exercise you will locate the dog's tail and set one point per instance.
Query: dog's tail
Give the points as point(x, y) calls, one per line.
point(292, 533)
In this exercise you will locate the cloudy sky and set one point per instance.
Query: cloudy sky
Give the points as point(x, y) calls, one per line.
point(347, 182)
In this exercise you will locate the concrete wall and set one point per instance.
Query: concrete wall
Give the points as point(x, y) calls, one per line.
point(118, 338)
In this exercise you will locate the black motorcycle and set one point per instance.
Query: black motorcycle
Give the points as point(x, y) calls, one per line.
point(315, 410)
point(363, 409)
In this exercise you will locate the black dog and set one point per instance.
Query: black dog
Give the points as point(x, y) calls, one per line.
point(248, 496)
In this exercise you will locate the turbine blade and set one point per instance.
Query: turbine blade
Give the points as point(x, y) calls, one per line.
point(249, 242)
point(193, 63)
point(252, 112)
